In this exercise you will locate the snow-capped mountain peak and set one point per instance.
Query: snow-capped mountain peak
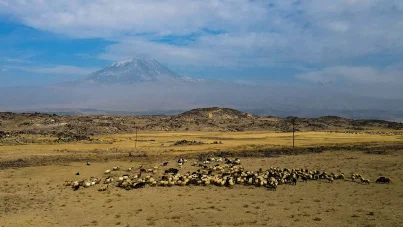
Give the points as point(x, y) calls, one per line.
point(134, 70)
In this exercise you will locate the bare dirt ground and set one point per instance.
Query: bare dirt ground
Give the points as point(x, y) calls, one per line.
point(35, 195)
point(39, 152)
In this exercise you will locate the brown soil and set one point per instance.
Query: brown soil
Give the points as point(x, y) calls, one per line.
point(36, 196)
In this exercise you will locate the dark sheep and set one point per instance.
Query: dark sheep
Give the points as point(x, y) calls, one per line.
point(139, 185)
point(383, 180)
point(172, 171)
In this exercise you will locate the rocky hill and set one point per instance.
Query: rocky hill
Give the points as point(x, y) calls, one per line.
point(79, 127)
point(213, 114)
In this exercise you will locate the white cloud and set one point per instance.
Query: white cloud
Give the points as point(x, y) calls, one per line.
point(359, 80)
point(13, 60)
point(354, 74)
point(104, 18)
point(64, 69)
point(252, 32)
point(55, 70)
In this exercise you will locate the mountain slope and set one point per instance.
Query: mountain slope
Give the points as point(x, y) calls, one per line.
point(136, 70)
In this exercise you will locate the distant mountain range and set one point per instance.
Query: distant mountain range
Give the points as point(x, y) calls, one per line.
point(144, 86)
point(135, 70)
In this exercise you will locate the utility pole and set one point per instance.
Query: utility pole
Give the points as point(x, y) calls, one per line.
point(135, 142)
point(293, 132)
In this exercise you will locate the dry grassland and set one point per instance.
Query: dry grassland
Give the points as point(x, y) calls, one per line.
point(35, 195)
point(162, 142)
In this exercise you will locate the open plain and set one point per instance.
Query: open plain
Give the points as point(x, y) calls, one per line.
point(34, 168)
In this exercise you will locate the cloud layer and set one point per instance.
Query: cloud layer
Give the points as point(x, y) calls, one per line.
point(258, 32)
point(333, 42)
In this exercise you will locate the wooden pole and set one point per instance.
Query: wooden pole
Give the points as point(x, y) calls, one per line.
point(135, 142)
point(293, 132)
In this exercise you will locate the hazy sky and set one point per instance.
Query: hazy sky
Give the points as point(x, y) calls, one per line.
point(350, 42)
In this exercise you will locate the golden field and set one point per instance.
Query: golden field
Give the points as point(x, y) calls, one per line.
point(162, 142)
point(32, 191)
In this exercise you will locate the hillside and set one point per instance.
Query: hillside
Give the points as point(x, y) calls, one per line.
point(16, 128)
point(214, 113)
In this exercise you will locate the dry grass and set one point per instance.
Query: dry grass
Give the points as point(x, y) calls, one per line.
point(162, 142)
point(35, 195)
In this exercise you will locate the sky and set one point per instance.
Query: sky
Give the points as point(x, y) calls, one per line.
point(355, 44)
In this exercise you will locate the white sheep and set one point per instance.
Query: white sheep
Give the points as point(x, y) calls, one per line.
point(103, 188)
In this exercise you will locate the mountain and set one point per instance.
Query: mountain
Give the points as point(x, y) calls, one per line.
point(214, 113)
point(136, 70)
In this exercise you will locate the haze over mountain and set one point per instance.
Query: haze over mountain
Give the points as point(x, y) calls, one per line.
point(268, 57)
point(135, 70)
point(144, 86)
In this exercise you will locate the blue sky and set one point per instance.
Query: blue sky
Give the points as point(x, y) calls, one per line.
point(357, 42)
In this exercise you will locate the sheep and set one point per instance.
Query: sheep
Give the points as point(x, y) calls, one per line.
point(383, 180)
point(339, 177)
point(104, 188)
point(237, 161)
point(135, 176)
point(181, 160)
point(96, 180)
point(329, 179)
point(294, 181)
point(221, 175)
point(76, 185)
point(172, 171)
point(163, 183)
point(205, 181)
point(193, 164)
point(364, 181)
point(108, 180)
point(87, 184)
point(164, 163)
point(272, 184)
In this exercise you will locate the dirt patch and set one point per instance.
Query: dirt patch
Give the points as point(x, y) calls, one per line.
point(65, 159)
point(39, 198)
point(187, 142)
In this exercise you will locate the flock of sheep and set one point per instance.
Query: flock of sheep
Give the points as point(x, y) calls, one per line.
point(213, 171)
point(384, 133)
